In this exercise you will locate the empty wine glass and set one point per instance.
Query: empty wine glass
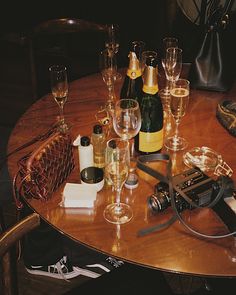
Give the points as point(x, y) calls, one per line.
point(165, 92)
point(173, 64)
point(117, 168)
point(59, 88)
point(179, 98)
point(127, 123)
point(167, 43)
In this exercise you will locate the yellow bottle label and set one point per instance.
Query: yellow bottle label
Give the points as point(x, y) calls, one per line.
point(150, 141)
point(150, 89)
point(133, 74)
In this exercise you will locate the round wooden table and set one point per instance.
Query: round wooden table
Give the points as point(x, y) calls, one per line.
point(174, 249)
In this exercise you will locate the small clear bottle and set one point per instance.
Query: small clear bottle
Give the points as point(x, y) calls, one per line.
point(85, 153)
point(98, 140)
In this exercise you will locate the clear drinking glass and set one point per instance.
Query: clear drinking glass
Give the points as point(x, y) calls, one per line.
point(117, 162)
point(59, 88)
point(179, 99)
point(168, 42)
point(127, 123)
point(165, 92)
point(108, 68)
point(112, 43)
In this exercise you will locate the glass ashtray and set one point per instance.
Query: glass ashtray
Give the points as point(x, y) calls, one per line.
point(207, 160)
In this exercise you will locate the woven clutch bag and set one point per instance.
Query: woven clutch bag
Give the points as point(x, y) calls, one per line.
point(43, 170)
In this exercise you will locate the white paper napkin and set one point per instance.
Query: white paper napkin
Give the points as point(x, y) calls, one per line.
point(78, 195)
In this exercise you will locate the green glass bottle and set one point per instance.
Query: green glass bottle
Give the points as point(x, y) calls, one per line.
point(150, 137)
point(133, 83)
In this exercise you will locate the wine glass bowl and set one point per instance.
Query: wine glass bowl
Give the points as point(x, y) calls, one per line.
point(112, 43)
point(127, 124)
point(117, 168)
point(167, 43)
point(127, 118)
point(173, 63)
point(108, 68)
point(59, 89)
point(179, 99)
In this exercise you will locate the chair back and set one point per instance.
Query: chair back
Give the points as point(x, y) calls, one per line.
point(73, 42)
point(8, 239)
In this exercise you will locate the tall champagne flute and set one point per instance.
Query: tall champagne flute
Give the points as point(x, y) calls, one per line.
point(117, 168)
point(179, 98)
point(112, 43)
point(173, 64)
point(59, 88)
point(167, 43)
point(127, 123)
point(108, 68)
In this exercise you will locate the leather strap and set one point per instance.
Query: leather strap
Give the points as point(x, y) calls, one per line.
point(151, 158)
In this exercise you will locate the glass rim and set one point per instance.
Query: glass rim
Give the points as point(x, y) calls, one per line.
point(118, 139)
point(57, 67)
point(118, 103)
point(174, 49)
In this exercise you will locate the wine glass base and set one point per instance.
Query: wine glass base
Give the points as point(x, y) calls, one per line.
point(176, 143)
point(63, 127)
point(118, 213)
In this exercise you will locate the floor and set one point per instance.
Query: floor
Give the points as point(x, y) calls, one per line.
point(16, 96)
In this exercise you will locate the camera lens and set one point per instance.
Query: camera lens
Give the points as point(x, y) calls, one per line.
point(159, 201)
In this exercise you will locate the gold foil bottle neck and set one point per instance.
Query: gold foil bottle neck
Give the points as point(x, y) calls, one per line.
point(150, 84)
point(134, 70)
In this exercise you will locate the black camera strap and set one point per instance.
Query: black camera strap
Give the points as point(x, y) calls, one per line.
point(141, 164)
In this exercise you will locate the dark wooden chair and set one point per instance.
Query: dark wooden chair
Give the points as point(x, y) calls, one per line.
point(8, 240)
point(128, 278)
point(73, 42)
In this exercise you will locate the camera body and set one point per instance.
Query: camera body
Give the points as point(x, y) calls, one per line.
point(196, 186)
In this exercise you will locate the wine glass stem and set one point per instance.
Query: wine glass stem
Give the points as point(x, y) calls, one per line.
point(62, 119)
point(177, 128)
point(168, 85)
point(118, 191)
point(111, 92)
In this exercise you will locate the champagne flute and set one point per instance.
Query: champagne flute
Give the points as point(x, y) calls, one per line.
point(167, 43)
point(117, 167)
point(165, 92)
point(59, 88)
point(173, 64)
point(179, 98)
point(108, 68)
point(112, 43)
point(127, 123)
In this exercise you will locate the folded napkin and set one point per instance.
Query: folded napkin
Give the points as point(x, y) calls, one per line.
point(78, 195)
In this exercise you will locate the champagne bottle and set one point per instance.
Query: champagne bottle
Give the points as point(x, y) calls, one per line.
point(133, 83)
point(150, 136)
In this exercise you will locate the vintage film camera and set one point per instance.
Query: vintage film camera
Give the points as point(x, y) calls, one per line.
point(198, 188)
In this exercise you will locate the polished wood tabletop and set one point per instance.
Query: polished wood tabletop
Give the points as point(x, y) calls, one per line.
point(174, 249)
